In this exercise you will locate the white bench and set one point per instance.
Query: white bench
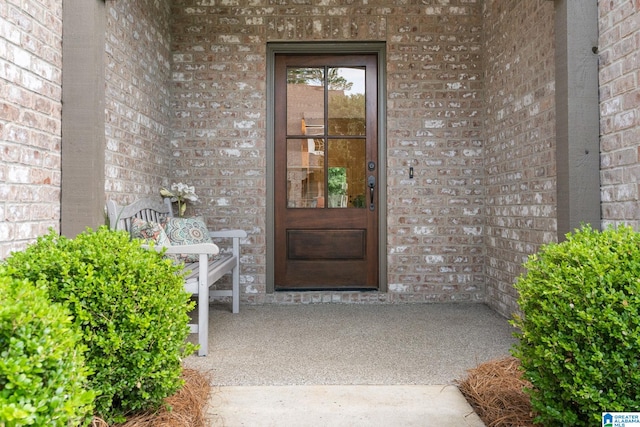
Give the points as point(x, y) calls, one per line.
point(199, 276)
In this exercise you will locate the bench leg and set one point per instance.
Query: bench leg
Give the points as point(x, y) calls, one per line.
point(203, 311)
point(235, 291)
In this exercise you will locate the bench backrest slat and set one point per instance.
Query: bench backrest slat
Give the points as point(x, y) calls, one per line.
point(146, 209)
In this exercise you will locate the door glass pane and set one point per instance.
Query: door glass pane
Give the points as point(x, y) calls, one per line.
point(305, 101)
point(346, 101)
point(305, 173)
point(310, 182)
point(346, 173)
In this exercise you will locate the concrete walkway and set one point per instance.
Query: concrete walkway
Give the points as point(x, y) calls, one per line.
point(341, 405)
point(348, 365)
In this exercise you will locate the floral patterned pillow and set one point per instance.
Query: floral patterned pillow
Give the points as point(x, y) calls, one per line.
point(149, 231)
point(186, 231)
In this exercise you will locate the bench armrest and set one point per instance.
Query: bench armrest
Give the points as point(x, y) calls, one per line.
point(235, 235)
point(228, 234)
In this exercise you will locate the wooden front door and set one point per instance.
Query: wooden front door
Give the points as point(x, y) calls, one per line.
point(326, 172)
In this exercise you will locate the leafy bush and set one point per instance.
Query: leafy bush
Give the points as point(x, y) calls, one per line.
point(580, 330)
point(131, 306)
point(42, 373)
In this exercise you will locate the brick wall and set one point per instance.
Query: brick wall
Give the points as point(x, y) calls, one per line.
point(520, 140)
point(435, 222)
point(435, 115)
point(30, 114)
point(137, 98)
point(619, 46)
point(470, 106)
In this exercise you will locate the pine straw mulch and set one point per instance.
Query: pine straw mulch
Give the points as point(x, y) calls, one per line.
point(188, 406)
point(495, 391)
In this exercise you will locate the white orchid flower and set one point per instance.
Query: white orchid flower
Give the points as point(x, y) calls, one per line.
point(180, 193)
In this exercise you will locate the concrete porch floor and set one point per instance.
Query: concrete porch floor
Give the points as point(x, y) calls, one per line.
point(347, 364)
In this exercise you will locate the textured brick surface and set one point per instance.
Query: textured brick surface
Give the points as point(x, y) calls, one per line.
point(520, 134)
point(30, 114)
point(435, 226)
point(619, 112)
point(137, 160)
point(470, 97)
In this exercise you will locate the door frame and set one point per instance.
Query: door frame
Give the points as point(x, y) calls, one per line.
point(377, 48)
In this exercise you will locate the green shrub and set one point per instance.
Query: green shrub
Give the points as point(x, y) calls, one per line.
point(580, 330)
point(42, 373)
point(131, 306)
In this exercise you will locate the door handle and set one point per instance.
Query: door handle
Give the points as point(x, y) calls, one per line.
point(371, 181)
